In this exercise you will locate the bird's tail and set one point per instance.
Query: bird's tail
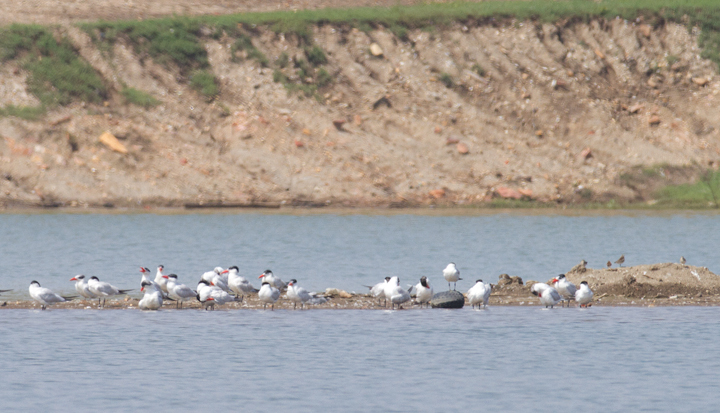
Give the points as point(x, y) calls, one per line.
point(125, 291)
point(4, 291)
point(69, 297)
point(368, 287)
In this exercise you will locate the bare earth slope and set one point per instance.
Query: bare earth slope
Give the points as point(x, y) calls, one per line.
point(549, 112)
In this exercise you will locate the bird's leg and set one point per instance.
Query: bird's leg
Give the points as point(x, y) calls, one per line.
point(448, 286)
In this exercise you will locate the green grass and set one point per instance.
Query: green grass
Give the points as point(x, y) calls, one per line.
point(704, 193)
point(205, 83)
point(244, 43)
point(58, 75)
point(447, 80)
point(315, 55)
point(139, 98)
point(23, 112)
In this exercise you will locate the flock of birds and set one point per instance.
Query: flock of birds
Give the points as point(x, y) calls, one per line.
point(216, 287)
point(221, 286)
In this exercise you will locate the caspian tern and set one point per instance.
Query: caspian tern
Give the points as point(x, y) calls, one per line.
point(452, 275)
point(548, 296)
point(424, 291)
point(395, 293)
point(179, 292)
point(146, 276)
point(297, 294)
point(565, 288)
point(268, 295)
point(45, 296)
point(270, 278)
point(81, 286)
point(538, 288)
point(239, 284)
point(378, 290)
point(160, 279)
point(479, 294)
point(152, 300)
point(220, 283)
point(584, 295)
point(208, 276)
point(207, 290)
point(103, 290)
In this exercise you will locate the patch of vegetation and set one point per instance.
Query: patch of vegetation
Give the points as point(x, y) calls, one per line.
point(139, 98)
point(170, 40)
point(23, 112)
point(57, 73)
point(447, 80)
point(315, 55)
point(323, 78)
point(672, 59)
point(205, 83)
point(244, 43)
point(478, 69)
point(705, 192)
point(282, 61)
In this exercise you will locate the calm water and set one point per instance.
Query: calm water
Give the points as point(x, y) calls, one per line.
point(343, 251)
point(501, 359)
point(504, 359)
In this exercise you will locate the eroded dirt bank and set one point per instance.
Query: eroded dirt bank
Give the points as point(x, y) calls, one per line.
point(457, 116)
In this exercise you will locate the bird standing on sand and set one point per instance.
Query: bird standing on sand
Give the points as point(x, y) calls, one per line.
point(297, 294)
point(378, 291)
point(620, 260)
point(102, 290)
point(424, 291)
point(609, 264)
point(548, 296)
point(395, 293)
point(584, 295)
point(565, 288)
point(268, 295)
point(45, 296)
point(452, 275)
point(152, 300)
point(682, 260)
point(479, 294)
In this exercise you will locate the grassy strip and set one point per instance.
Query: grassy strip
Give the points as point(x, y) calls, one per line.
point(57, 74)
point(139, 98)
point(701, 194)
point(23, 112)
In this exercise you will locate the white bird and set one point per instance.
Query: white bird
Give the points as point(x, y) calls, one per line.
point(146, 277)
point(207, 290)
point(297, 294)
point(378, 290)
point(452, 275)
point(152, 300)
point(270, 278)
point(268, 295)
point(103, 290)
point(538, 288)
point(548, 296)
point(395, 293)
point(45, 296)
point(424, 291)
point(239, 284)
point(208, 276)
point(81, 286)
point(160, 279)
point(584, 295)
point(179, 292)
point(479, 294)
point(565, 288)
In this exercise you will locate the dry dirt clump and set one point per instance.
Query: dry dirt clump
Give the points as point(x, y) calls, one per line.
point(458, 116)
point(650, 281)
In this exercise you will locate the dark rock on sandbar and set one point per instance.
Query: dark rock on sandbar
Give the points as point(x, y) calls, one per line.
point(448, 299)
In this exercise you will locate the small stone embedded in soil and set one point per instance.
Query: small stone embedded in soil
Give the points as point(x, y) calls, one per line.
point(645, 30)
point(452, 141)
point(635, 108)
point(462, 148)
point(539, 133)
point(298, 144)
point(508, 193)
point(654, 120)
point(437, 193)
point(376, 50)
point(599, 54)
point(109, 140)
point(438, 129)
point(586, 153)
point(700, 81)
point(338, 123)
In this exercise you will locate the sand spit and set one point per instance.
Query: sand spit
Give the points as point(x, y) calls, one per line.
point(666, 284)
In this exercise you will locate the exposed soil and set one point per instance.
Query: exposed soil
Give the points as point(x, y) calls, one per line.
point(563, 113)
